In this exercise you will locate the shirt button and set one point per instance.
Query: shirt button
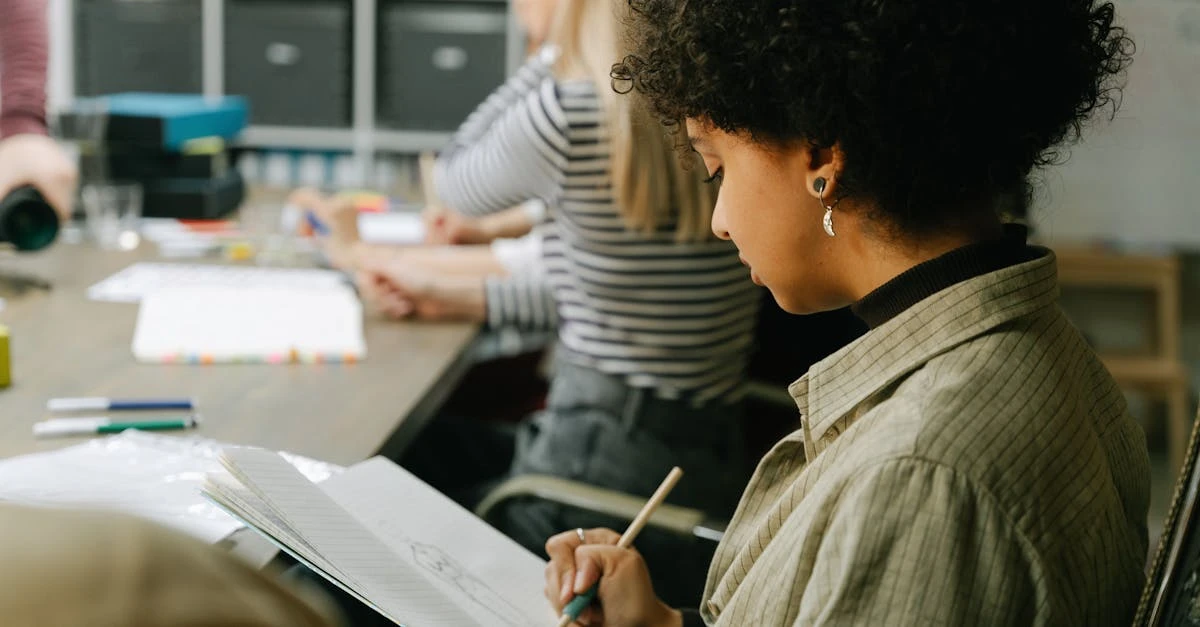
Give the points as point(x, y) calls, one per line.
point(713, 608)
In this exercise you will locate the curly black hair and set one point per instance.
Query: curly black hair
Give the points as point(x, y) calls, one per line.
point(939, 106)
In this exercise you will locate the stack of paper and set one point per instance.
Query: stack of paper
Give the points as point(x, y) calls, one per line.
point(202, 325)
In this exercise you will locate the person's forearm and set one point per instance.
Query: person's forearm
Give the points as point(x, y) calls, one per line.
point(509, 223)
point(462, 298)
point(460, 261)
point(24, 48)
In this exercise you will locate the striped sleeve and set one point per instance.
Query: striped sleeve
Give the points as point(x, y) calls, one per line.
point(24, 46)
point(520, 156)
point(913, 542)
point(524, 301)
point(527, 78)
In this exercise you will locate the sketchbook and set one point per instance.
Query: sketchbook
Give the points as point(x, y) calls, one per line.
point(387, 539)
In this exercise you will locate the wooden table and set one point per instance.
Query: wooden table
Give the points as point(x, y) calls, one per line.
point(65, 345)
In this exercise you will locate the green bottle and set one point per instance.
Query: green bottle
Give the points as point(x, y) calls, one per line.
point(27, 221)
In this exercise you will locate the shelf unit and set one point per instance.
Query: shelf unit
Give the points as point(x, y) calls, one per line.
point(1157, 368)
point(364, 138)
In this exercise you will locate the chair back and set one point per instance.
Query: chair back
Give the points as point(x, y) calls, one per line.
point(1172, 593)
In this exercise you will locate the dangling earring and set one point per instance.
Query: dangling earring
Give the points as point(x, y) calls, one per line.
point(827, 221)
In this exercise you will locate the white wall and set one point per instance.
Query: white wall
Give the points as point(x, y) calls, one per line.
point(1137, 179)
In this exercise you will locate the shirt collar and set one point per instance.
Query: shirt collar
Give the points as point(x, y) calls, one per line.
point(928, 278)
point(834, 386)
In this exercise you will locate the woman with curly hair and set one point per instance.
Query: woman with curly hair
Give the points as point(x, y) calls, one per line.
point(968, 461)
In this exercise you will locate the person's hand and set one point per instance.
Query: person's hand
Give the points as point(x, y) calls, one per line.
point(445, 226)
point(338, 216)
point(626, 597)
point(401, 290)
point(38, 161)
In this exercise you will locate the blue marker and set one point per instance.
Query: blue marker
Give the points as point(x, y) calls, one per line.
point(317, 226)
point(98, 403)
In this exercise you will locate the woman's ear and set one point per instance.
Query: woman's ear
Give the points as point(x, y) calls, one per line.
point(824, 166)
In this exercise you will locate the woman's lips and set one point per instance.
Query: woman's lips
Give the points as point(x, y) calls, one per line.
point(753, 276)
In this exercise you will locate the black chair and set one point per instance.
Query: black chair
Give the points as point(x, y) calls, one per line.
point(786, 345)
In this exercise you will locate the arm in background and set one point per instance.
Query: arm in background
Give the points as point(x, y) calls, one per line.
point(24, 48)
point(27, 155)
point(524, 301)
point(523, 81)
point(520, 157)
point(446, 226)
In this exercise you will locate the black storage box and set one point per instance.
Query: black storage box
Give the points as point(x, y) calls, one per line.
point(437, 61)
point(193, 199)
point(150, 45)
point(291, 59)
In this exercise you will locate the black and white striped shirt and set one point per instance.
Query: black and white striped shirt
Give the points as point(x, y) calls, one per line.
point(675, 317)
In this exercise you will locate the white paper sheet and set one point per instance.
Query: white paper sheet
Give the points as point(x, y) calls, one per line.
point(135, 282)
point(249, 325)
point(391, 228)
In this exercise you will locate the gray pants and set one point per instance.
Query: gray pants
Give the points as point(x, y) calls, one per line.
point(598, 430)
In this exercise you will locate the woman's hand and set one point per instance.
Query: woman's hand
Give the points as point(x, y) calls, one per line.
point(445, 226)
point(404, 290)
point(38, 161)
point(338, 217)
point(626, 597)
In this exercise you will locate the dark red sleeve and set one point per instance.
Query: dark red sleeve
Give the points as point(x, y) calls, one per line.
point(24, 47)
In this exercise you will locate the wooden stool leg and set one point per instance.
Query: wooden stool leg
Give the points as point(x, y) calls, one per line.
point(1178, 424)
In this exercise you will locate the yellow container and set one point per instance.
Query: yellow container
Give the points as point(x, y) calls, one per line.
point(5, 370)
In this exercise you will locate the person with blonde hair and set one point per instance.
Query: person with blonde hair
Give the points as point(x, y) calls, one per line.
point(654, 315)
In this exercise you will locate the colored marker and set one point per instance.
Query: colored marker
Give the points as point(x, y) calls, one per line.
point(100, 403)
point(92, 425)
point(315, 224)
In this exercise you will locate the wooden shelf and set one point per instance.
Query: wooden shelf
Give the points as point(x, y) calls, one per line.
point(1160, 371)
point(1146, 371)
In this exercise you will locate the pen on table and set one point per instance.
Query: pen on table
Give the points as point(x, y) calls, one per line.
point(576, 606)
point(100, 403)
point(91, 425)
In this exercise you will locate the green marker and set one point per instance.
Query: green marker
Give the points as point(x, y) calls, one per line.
point(92, 425)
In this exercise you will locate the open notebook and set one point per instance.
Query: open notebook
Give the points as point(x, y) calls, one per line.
point(388, 539)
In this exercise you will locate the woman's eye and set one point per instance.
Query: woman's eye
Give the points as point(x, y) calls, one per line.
point(717, 176)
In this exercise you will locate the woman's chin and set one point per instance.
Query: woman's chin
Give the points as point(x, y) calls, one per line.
point(802, 304)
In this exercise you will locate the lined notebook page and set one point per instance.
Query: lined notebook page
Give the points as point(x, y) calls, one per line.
point(369, 565)
point(487, 574)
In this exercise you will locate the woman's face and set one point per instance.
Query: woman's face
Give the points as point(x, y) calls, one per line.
point(535, 17)
point(767, 206)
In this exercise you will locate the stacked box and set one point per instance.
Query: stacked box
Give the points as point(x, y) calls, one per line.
point(176, 146)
